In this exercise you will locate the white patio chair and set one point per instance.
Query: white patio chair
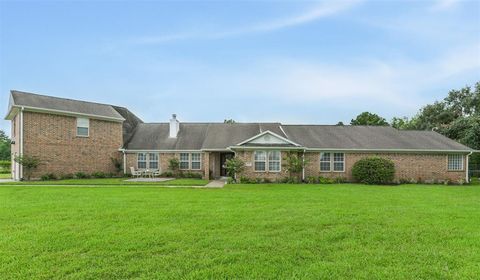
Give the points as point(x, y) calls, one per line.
point(156, 173)
point(134, 172)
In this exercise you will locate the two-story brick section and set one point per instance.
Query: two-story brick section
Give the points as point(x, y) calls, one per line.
point(77, 136)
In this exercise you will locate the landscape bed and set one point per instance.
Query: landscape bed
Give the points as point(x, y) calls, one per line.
point(241, 231)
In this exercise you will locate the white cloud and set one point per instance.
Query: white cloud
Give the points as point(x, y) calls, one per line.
point(444, 4)
point(322, 10)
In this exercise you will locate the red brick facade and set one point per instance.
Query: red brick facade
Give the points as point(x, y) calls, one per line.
point(53, 139)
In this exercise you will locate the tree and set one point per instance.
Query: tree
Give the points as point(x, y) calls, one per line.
point(174, 166)
point(294, 164)
point(29, 163)
point(340, 123)
point(367, 118)
point(5, 145)
point(229, 121)
point(234, 166)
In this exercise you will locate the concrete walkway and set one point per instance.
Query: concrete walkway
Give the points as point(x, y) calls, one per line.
point(149, 179)
point(215, 184)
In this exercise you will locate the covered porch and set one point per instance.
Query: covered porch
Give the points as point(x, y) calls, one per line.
point(215, 163)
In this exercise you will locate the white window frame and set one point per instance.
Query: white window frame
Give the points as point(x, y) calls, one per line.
point(274, 161)
point(199, 161)
point(331, 162)
point(187, 161)
point(83, 123)
point(457, 157)
point(267, 161)
point(148, 159)
point(338, 161)
point(143, 160)
point(255, 160)
point(156, 158)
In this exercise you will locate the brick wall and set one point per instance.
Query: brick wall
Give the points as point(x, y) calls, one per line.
point(53, 139)
point(427, 167)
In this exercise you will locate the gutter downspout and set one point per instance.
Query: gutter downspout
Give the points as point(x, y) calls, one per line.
point(20, 167)
point(303, 166)
point(467, 179)
point(124, 161)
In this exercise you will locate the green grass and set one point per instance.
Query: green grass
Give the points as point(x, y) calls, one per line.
point(5, 175)
point(241, 231)
point(112, 181)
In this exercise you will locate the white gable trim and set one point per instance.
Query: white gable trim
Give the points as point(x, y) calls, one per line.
point(271, 133)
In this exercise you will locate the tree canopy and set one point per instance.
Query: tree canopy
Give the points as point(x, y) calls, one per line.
point(4, 146)
point(367, 118)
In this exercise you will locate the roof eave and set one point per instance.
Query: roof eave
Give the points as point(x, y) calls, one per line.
point(65, 113)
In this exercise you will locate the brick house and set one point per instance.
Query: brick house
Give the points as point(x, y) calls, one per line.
point(76, 136)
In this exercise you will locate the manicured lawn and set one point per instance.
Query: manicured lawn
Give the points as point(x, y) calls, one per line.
point(241, 231)
point(113, 181)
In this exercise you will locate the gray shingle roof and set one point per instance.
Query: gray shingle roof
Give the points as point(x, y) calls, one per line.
point(368, 137)
point(212, 136)
point(26, 99)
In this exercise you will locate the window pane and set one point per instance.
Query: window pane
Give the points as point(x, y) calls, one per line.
point(184, 156)
point(325, 166)
point(324, 156)
point(195, 156)
point(338, 156)
point(338, 166)
point(83, 122)
point(184, 165)
point(153, 161)
point(260, 155)
point(195, 165)
point(82, 131)
point(455, 162)
point(259, 166)
point(274, 155)
point(274, 166)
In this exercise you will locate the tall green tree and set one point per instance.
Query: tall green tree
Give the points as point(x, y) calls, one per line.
point(367, 118)
point(5, 142)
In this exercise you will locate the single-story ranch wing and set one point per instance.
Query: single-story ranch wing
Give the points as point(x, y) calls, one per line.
point(70, 136)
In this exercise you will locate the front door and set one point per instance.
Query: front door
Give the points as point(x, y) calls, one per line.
point(223, 162)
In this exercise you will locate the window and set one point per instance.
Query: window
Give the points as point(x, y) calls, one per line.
point(83, 125)
point(195, 161)
point(324, 161)
point(270, 161)
point(338, 162)
point(184, 160)
point(142, 160)
point(274, 161)
point(335, 160)
point(153, 161)
point(260, 159)
point(455, 162)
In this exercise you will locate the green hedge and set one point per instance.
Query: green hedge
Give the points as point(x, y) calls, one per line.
point(374, 170)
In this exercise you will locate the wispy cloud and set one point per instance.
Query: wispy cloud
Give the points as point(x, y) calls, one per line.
point(319, 11)
point(444, 4)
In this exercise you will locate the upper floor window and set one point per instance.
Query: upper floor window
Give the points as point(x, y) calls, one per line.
point(267, 160)
point(332, 162)
point(455, 162)
point(83, 127)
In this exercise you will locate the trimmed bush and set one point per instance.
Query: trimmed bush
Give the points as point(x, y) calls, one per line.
point(5, 165)
point(81, 175)
point(374, 170)
point(311, 180)
point(325, 180)
point(98, 175)
point(167, 174)
point(48, 177)
point(66, 176)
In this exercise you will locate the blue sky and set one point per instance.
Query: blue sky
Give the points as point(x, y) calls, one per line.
point(293, 62)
